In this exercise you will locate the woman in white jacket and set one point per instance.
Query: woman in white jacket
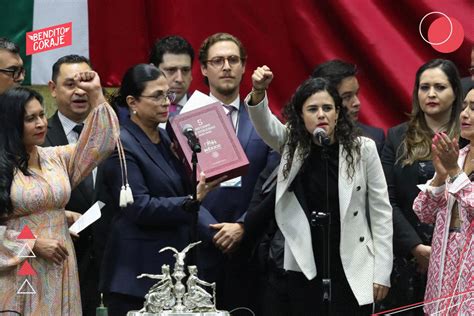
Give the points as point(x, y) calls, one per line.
point(337, 176)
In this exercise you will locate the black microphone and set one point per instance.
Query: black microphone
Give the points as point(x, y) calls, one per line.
point(320, 136)
point(193, 141)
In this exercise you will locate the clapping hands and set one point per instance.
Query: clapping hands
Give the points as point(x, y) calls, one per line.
point(445, 154)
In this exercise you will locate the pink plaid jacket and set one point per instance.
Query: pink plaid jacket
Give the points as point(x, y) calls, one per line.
point(450, 287)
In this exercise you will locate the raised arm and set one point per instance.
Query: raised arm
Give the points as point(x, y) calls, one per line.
point(432, 196)
point(447, 161)
point(99, 136)
point(267, 125)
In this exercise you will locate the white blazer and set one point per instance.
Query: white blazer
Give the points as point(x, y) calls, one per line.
point(366, 250)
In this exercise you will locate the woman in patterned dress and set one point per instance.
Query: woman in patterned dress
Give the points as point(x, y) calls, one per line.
point(35, 185)
point(448, 201)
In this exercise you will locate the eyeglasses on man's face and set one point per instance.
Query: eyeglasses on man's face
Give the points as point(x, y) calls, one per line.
point(161, 97)
point(219, 61)
point(15, 72)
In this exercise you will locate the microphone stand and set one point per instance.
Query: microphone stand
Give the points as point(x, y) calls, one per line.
point(194, 234)
point(326, 230)
point(323, 220)
point(192, 206)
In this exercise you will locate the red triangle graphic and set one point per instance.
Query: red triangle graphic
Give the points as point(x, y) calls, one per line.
point(26, 233)
point(26, 269)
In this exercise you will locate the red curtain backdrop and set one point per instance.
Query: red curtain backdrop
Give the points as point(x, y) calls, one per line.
point(291, 37)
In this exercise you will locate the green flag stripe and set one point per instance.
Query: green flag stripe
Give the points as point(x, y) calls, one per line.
point(17, 19)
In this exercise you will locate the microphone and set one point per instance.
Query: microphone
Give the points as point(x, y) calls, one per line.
point(320, 136)
point(193, 141)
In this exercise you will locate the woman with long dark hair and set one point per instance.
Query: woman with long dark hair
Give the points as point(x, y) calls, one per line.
point(35, 185)
point(407, 162)
point(328, 177)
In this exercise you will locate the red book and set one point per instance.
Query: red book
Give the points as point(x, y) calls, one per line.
point(221, 152)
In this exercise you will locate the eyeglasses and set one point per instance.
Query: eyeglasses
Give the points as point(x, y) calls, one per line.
point(218, 62)
point(16, 72)
point(161, 97)
point(471, 70)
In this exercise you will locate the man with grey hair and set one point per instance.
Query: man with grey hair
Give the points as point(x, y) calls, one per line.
point(12, 72)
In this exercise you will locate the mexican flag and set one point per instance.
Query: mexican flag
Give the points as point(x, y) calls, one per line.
point(22, 16)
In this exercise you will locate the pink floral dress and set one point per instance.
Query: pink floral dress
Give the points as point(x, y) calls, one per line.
point(450, 286)
point(39, 202)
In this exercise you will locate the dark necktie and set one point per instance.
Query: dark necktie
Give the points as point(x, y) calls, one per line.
point(78, 129)
point(88, 182)
point(231, 110)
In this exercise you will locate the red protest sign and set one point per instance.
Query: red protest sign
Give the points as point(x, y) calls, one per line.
point(49, 38)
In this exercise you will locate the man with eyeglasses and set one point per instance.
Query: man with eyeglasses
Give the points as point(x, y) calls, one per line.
point(12, 72)
point(222, 59)
point(174, 56)
point(64, 128)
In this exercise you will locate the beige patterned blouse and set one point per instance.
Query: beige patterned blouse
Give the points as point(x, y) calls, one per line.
point(39, 202)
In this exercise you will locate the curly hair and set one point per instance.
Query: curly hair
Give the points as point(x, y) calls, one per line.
point(417, 143)
point(298, 137)
point(13, 154)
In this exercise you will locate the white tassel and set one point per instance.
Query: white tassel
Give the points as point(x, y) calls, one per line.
point(129, 195)
point(123, 197)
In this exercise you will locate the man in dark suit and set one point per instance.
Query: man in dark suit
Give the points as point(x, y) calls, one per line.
point(174, 56)
point(342, 75)
point(64, 128)
point(222, 58)
point(12, 72)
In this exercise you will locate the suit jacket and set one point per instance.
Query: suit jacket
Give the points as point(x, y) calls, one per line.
point(259, 224)
point(466, 84)
point(375, 133)
point(229, 204)
point(366, 250)
point(155, 220)
point(402, 187)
